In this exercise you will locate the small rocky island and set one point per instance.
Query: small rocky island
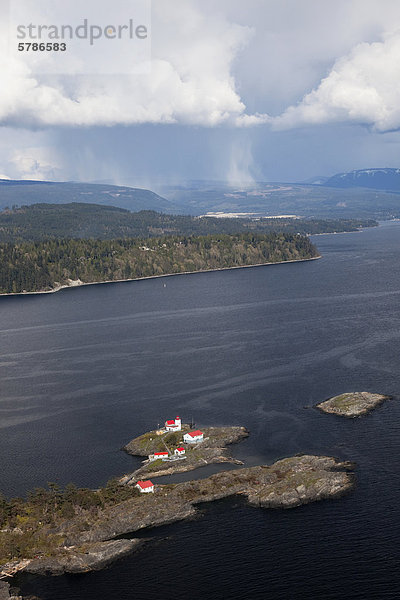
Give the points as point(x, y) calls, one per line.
point(352, 404)
point(167, 451)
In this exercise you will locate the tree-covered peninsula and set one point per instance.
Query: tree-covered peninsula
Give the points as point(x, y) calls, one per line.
point(41, 222)
point(47, 265)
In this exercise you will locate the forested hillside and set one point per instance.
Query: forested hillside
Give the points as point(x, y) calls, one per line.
point(79, 220)
point(37, 266)
point(24, 192)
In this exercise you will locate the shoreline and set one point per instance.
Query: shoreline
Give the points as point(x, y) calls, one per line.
point(287, 483)
point(342, 232)
point(212, 450)
point(78, 283)
point(360, 230)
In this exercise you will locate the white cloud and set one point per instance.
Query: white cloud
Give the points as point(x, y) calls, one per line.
point(195, 54)
point(190, 82)
point(35, 163)
point(225, 62)
point(29, 155)
point(362, 87)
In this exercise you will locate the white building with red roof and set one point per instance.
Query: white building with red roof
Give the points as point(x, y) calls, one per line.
point(180, 451)
point(158, 455)
point(145, 487)
point(193, 437)
point(174, 424)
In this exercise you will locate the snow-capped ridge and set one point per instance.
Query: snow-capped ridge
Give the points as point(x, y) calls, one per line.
point(378, 178)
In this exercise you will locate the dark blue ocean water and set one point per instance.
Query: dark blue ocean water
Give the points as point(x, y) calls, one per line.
point(85, 370)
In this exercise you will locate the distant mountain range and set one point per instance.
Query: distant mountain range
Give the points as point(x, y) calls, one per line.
point(365, 194)
point(377, 179)
point(23, 193)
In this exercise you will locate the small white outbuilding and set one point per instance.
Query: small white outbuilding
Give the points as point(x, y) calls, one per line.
point(145, 487)
point(180, 451)
point(193, 437)
point(158, 455)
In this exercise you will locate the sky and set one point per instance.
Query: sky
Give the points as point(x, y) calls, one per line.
point(262, 90)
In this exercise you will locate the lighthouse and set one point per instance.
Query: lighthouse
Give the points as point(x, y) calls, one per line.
point(174, 424)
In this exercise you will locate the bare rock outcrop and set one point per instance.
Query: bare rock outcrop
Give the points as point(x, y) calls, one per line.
point(90, 558)
point(352, 404)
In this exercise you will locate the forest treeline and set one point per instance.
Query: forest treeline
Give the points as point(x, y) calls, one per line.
point(28, 527)
point(44, 265)
point(82, 221)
